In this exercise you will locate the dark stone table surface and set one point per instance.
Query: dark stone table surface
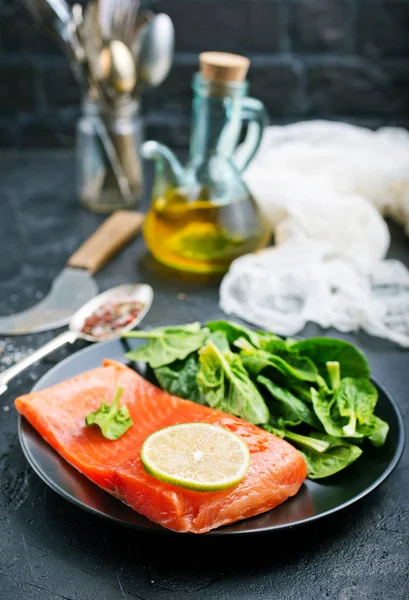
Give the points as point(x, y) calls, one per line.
point(50, 549)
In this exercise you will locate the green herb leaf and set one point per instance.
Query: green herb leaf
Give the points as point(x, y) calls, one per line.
point(113, 420)
point(326, 409)
point(236, 334)
point(321, 350)
point(310, 442)
point(273, 344)
point(243, 344)
point(274, 430)
point(290, 405)
point(307, 441)
point(375, 430)
point(356, 400)
point(334, 375)
point(226, 385)
point(301, 389)
point(220, 340)
point(234, 331)
point(289, 364)
point(167, 344)
point(179, 379)
point(337, 457)
point(345, 411)
point(324, 454)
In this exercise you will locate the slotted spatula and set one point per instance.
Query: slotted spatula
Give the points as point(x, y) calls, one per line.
point(75, 285)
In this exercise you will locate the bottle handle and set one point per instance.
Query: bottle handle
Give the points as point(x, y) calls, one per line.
point(254, 113)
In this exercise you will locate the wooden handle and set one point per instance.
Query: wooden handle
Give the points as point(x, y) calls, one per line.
point(108, 239)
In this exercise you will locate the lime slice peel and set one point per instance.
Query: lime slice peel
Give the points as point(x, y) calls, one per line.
point(197, 456)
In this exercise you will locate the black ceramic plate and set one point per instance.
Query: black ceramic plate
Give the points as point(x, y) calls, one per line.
point(314, 500)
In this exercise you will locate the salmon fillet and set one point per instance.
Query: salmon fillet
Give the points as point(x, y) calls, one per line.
point(276, 472)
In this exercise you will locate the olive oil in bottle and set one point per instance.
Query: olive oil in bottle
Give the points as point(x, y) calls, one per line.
point(203, 216)
point(201, 235)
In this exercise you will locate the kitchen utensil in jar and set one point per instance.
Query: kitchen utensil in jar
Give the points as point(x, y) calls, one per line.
point(97, 183)
point(75, 284)
point(202, 216)
point(101, 97)
point(55, 17)
point(139, 294)
point(77, 31)
point(142, 21)
point(156, 48)
point(118, 20)
point(117, 67)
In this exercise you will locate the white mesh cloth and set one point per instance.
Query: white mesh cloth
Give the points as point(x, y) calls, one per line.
point(324, 188)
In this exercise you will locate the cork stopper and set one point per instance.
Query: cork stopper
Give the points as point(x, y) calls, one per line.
point(223, 66)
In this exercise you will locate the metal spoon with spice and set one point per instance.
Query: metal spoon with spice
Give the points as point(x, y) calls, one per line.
point(107, 316)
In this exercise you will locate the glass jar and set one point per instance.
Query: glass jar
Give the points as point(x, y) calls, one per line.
point(109, 165)
point(202, 215)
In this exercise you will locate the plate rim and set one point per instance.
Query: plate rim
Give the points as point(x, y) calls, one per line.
point(219, 531)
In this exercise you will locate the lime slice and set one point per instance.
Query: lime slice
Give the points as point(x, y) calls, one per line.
point(196, 456)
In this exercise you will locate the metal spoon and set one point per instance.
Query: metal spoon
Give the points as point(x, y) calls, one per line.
point(124, 21)
point(55, 17)
point(139, 291)
point(143, 19)
point(90, 35)
point(117, 67)
point(157, 39)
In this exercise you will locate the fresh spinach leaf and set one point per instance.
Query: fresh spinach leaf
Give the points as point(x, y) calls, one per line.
point(220, 340)
point(225, 385)
point(211, 378)
point(274, 430)
point(356, 400)
point(334, 377)
point(375, 429)
point(300, 389)
point(348, 411)
point(303, 389)
point(271, 346)
point(112, 419)
point(326, 409)
point(282, 416)
point(308, 441)
point(324, 454)
point(292, 405)
point(167, 344)
point(289, 364)
point(333, 460)
point(179, 378)
point(322, 349)
point(243, 344)
point(269, 342)
point(257, 339)
point(234, 331)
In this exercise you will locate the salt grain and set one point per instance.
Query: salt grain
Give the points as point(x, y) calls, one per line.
point(10, 354)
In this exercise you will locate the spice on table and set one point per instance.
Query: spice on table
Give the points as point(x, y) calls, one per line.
point(112, 316)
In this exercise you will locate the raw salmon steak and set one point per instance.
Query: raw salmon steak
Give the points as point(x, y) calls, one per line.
point(276, 471)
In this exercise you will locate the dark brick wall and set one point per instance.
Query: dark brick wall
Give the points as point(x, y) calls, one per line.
point(336, 59)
